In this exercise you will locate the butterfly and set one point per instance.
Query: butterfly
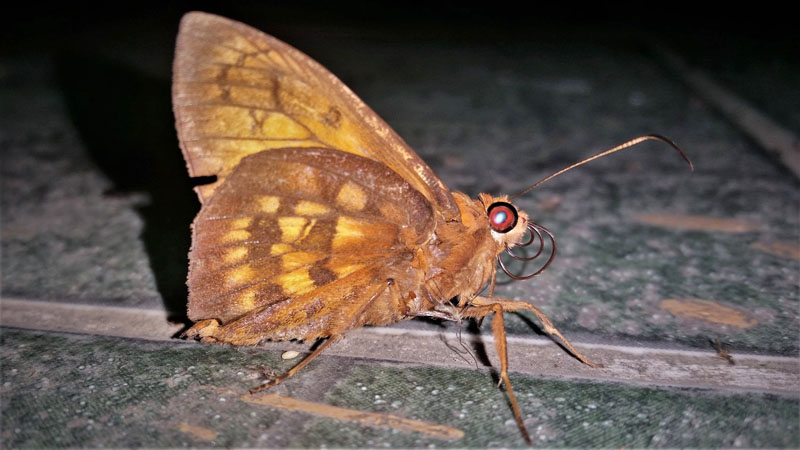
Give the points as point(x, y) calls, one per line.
point(321, 219)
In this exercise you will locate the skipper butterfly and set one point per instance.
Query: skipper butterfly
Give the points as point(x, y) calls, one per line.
point(321, 218)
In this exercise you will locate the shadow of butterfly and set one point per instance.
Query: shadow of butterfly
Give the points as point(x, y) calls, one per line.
point(321, 218)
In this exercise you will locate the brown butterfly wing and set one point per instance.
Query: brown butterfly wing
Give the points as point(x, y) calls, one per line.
point(238, 91)
point(295, 242)
point(331, 310)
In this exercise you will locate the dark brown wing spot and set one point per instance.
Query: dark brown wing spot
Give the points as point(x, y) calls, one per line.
point(333, 118)
point(321, 275)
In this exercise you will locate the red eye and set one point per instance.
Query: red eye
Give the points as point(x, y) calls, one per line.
point(502, 217)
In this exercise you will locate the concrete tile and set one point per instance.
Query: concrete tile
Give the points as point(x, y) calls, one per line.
point(62, 390)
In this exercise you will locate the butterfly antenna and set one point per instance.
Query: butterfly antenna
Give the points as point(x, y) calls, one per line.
point(538, 232)
point(623, 146)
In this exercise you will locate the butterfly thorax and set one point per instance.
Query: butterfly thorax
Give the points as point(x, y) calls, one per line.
point(461, 254)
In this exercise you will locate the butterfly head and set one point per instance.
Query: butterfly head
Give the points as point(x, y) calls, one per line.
point(508, 224)
point(511, 227)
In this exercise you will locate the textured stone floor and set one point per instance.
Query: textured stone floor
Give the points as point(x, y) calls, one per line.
point(654, 261)
point(71, 390)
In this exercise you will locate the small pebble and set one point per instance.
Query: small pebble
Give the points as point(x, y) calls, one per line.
point(290, 354)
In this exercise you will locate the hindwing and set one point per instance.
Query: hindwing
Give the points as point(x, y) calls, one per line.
point(294, 227)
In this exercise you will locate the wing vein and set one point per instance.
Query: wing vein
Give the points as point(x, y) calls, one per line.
point(369, 257)
point(203, 37)
point(236, 138)
point(259, 87)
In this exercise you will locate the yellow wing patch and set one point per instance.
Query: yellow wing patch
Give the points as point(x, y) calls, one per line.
point(248, 123)
point(348, 232)
point(307, 208)
point(291, 228)
point(240, 275)
point(268, 203)
point(280, 126)
point(241, 222)
point(291, 261)
point(234, 254)
point(351, 197)
point(279, 249)
point(344, 269)
point(246, 300)
point(296, 282)
point(235, 236)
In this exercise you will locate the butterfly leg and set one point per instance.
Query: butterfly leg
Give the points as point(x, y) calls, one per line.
point(203, 330)
point(515, 305)
point(499, 331)
point(333, 337)
point(299, 365)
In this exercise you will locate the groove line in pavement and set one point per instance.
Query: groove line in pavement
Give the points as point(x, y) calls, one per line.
point(535, 356)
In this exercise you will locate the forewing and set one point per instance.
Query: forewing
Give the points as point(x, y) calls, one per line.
point(288, 222)
point(238, 91)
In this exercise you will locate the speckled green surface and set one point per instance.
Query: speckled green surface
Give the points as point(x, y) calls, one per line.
point(558, 414)
point(68, 390)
